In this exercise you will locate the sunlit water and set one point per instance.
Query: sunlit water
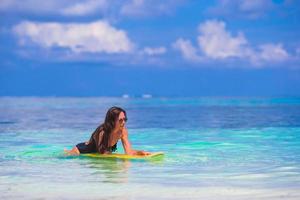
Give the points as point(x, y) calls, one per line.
point(215, 148)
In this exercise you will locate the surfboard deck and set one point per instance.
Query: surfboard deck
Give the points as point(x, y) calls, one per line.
point(123, 156)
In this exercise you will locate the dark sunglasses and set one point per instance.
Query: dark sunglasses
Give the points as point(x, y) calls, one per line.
point(122, 120)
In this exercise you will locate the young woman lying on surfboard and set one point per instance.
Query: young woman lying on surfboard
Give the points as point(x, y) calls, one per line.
point(105, 138)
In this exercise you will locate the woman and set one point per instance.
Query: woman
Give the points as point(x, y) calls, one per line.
point(105, 138)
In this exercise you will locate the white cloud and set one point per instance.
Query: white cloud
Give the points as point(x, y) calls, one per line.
point(154, 51)
point(6, 4)
point(149, 8)
point(251, 5)
point(267, 53)
point(188, 51)
point(95, 37)
point(60, 7)
point(133, 7)
point(217, 43)
point(33, 6)
point(106, 8)
point(242, 8)
point(298, 51)
point(273, 53)
point(85, 8)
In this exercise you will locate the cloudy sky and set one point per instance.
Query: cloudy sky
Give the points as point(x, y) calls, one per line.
point(163, 48)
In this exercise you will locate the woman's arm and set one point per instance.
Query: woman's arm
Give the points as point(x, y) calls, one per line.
point(127, 146)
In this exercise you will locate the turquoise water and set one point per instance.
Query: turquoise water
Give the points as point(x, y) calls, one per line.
point(215, 148)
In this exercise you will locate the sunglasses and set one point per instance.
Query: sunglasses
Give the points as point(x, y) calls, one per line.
point(122, 120)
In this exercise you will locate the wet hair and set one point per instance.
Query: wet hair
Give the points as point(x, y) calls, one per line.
point(107, 127)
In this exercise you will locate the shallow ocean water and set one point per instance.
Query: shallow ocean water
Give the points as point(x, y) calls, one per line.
point(215, 148)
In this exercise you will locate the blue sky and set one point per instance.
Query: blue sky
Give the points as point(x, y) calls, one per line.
point(163, 48)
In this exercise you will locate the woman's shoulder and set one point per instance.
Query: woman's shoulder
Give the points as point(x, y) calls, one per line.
point(98, 132)
point(101, 133)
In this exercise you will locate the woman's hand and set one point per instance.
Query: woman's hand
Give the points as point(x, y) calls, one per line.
point(142, 153)
point(72, 152)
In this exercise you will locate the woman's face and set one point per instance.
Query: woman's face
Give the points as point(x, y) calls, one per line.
point(121, 120)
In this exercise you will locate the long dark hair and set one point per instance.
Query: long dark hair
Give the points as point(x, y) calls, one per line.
point(107, 127)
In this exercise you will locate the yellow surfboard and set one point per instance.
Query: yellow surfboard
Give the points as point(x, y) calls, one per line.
point(124, 156)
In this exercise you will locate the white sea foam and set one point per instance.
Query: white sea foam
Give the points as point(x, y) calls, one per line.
point(143, 191)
